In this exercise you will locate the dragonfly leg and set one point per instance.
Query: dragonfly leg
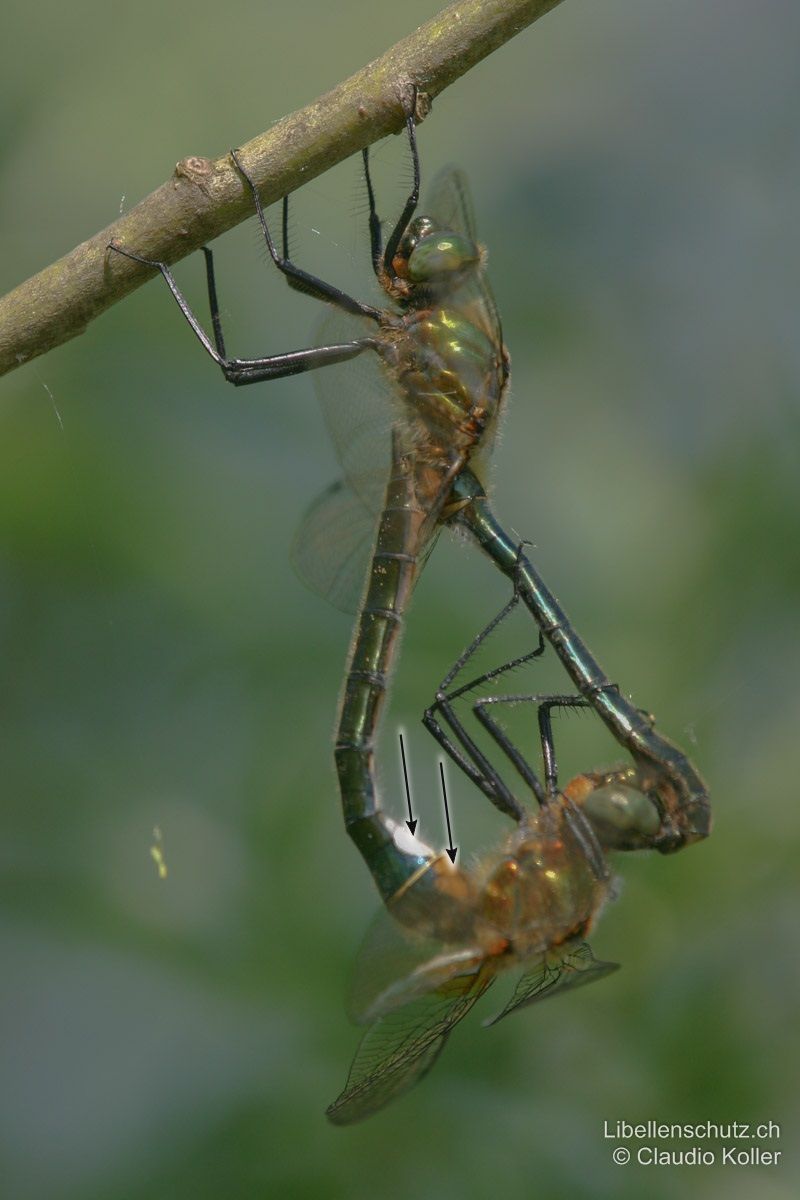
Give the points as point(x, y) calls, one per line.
point(276, 366)
point(213, 304)
point(382, 260)
point(579, 821)
point(466, 754)
point(375, 235)
point(413, 197)
point(241, 371)
point(296, 277)
point(545, 705)
point(478, 641)
point(546, 735)
point(470, 758)
point(665, 773)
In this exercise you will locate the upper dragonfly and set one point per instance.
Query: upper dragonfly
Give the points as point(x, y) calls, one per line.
point(413, 460)
point(442, 378)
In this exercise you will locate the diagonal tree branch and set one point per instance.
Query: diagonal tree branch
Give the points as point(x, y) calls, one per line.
point(205, 197)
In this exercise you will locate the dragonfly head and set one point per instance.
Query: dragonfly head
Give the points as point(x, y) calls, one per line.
point(630, 809)
point(430, 256)
point(622, 816)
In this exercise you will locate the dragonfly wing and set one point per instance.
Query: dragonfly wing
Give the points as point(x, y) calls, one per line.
point(389, 951)
point(427, 550)
point(402, 1046)
point(357, 400)
point(577, 967)
point(425, 979)
point(332, 547)
point(396, 962)
point(448, 202)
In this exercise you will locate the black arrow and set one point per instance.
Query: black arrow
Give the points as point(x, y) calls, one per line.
point(452, 850)
point(411, 823)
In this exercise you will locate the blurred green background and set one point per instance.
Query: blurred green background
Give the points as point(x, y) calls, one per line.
point(637, 180)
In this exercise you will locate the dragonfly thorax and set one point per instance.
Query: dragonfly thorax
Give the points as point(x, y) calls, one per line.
point(450, 379)
point(544, 891)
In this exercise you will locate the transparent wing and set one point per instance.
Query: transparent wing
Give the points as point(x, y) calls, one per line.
point(576, 968)
point(388, 952)
point(402, 1046)
point(332, 548)
point(400, 959)
point(358, 408)
point(449, 204)
point(333, 544)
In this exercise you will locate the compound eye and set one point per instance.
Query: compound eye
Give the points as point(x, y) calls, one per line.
point(622, 817)
point(439, 255)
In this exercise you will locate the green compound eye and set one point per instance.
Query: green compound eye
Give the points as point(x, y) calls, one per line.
point(441, 254)
point(622, 817)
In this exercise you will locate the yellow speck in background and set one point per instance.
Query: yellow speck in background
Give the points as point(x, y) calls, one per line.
point(157, 854)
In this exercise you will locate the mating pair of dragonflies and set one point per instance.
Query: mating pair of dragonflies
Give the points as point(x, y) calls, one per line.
point(413, 452)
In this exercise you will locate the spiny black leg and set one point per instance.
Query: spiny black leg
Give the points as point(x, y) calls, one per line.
point(295, 284)
point(469, 757)
point(545, 704)
point(183, 304)
point(241, 371)
point(471, 760)
point(213, 304)
point(499, 735)
point(546, 734)
point(511, 665)
point(442, 692)
point(285, 227)
point(297, 278)
point(476, 642)
point(375, 238)
point(578, 823)
point(413, 198)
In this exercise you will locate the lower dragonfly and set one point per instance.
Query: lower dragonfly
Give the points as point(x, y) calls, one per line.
point(528, 906)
